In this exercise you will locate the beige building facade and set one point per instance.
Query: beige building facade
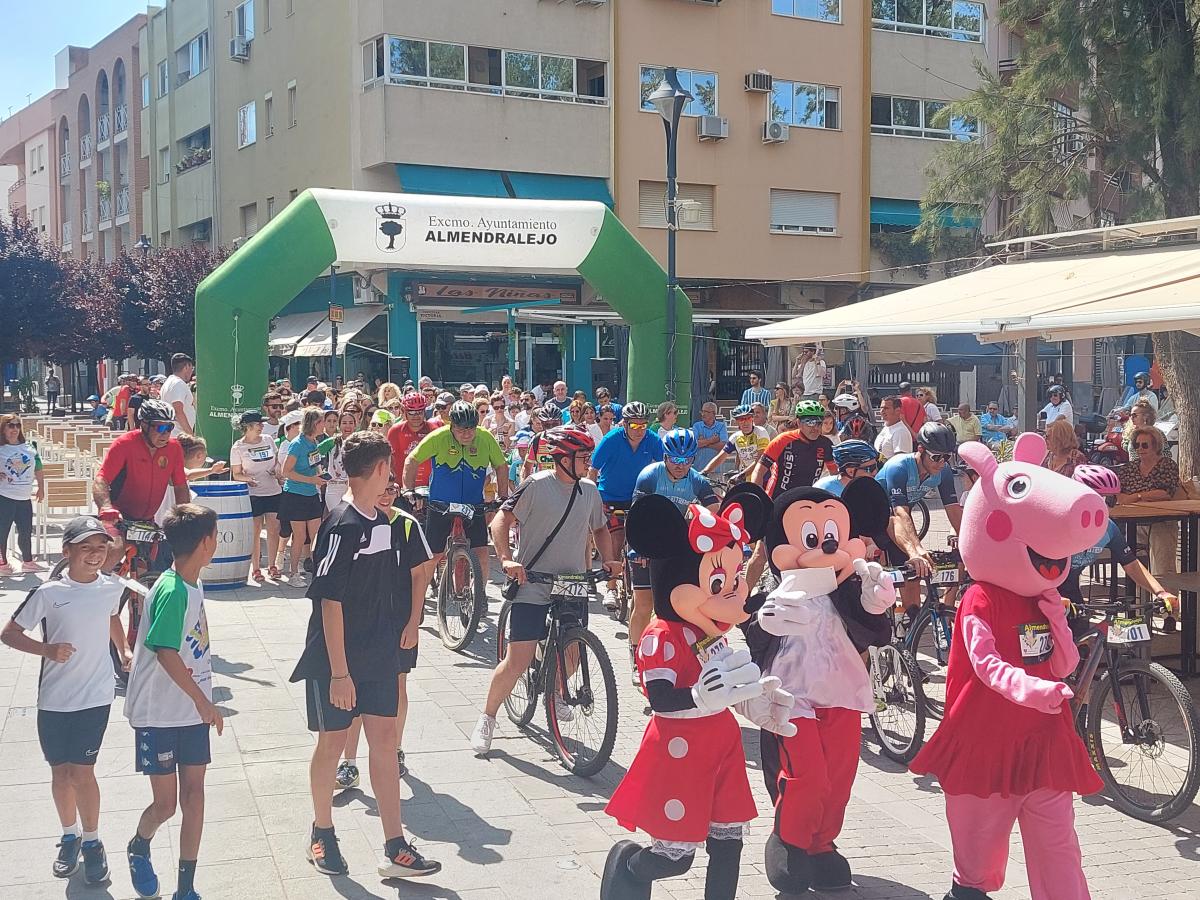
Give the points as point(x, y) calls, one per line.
point(177, 100)
point(29, 166)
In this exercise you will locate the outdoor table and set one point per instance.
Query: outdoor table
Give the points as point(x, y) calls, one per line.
point(1187, 514)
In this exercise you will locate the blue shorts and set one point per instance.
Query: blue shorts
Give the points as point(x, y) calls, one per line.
point(159, 751)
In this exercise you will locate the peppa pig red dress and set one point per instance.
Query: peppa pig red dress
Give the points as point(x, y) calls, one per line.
point(987, 744)
point(690, 770)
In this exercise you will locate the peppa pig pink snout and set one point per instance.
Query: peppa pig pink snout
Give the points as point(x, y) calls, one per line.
point(1078, 528)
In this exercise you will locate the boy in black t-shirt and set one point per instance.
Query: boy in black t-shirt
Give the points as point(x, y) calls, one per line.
point(351, 656)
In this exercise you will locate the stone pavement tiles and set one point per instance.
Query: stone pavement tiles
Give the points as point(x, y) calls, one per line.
point(515, 825)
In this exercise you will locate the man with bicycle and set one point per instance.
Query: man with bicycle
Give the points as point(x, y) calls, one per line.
point(745, 445)
point(461, 453)
point(619, 459)
point(556, 510)
point(855, 459)
point(909, 477)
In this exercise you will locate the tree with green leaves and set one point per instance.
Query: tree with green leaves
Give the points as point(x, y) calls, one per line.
point(1131, 70)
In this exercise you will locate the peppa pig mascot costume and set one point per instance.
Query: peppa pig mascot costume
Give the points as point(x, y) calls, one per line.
point(1006, 750)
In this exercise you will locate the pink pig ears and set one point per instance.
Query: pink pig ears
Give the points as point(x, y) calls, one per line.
point(1030, 447)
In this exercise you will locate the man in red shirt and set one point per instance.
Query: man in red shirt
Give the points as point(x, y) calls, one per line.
point(140, 465)
point(407, 433)
point(912, 410)
point(120, 407)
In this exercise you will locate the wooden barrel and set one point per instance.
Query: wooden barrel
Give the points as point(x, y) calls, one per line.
point(235, 533)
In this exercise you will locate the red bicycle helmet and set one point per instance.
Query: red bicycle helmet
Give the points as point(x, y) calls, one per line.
point(564, 441)
point(414, 401)
point(1102, 480)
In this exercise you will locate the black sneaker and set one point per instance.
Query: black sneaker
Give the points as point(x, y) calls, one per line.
point(403, 861)
point(323, 852)
point(347, 776)
point(401, 764)
point(95, 863)
point(66, 863)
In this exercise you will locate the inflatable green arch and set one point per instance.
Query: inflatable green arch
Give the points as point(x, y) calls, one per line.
point(372, 231)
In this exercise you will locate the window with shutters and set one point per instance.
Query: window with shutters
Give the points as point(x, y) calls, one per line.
point(652, 206)
point(249, 219)
point(803, 212)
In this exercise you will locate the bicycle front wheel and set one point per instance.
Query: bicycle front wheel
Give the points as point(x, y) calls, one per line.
point(920, 516)
point(581, 702)
point(522, 702)
point(929, 645)
point(460, 598)
point(899, 717)
point(1150, 767)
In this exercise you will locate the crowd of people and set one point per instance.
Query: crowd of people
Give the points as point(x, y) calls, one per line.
point(348, 486)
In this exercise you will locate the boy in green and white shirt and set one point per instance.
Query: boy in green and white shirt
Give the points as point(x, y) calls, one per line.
point(169, 699)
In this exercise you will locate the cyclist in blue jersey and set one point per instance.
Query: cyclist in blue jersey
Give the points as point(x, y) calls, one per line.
point(909, 477)
point(855, 459)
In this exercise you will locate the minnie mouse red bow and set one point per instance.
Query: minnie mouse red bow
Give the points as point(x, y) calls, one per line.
point(709, 530)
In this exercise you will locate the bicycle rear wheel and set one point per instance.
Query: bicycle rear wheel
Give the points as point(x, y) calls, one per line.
point(461, 598)
point(522, 702)
point(1153, 770)
point(929, 646)
point(920, 516)
point(581, 703)
point(899, 717)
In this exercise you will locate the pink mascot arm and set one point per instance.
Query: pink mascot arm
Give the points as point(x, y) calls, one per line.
point(1065, 656)
point(1005, 679)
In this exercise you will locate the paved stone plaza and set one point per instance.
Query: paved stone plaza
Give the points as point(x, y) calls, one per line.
point(512, 826)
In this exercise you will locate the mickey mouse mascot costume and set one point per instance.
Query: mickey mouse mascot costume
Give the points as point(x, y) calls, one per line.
point(687, 787)
point(1007, 750)
point(809, 633)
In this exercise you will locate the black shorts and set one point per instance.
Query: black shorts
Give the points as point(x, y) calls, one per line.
point(72, 737)
point(895, 557)
point(408, 660)
point(371, 698)
point(531, 621)
point(260, 506)
point(437, 530)
point(639, 574)
point(300, 507)
point(159, 751)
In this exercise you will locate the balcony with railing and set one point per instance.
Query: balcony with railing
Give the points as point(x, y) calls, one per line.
point(87, 224)
point(105, 211)
point(64, 166)
point(121, 121)
point(66, 234)
point(122, 204)
point(85, 151)
point(103, 128)
point(16, 194)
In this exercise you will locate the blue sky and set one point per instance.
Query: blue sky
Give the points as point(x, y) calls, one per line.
point(32, 31)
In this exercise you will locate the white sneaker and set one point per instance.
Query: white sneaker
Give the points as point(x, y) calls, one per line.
point(562, 711)
point(481, 737)
point(610, 600)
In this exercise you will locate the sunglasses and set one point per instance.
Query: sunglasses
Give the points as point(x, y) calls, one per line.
point(993, 409)
point(636, 426)
point(1143, 445)
point(941, 457)
point(164, 428)
point(681, 460)
point(813, 421)
point(870, 469)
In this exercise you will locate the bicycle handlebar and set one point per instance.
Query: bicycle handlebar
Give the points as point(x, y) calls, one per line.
point(592, 576)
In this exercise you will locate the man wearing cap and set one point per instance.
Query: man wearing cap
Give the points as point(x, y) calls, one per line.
point(156, 383)
point(466, 391)
point(99, 411)
point(1140, 390)
point(1059, 406)
point(77, 617)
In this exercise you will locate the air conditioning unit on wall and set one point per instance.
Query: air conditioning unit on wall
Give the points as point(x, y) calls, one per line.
point(775, 132)
point(759, 82)
point(712, 128)
point(239, 49)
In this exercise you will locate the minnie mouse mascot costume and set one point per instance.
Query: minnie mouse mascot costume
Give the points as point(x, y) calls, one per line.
point(687, 787)
point(829, 607)
point(1007, 750)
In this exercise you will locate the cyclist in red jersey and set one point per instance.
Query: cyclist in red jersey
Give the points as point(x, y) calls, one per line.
point(406, 434)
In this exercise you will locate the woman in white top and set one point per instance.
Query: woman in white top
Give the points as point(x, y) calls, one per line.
point(928, 397)
point(20, 482)
point(339, 482)
point(590, 423)
point(252, 461)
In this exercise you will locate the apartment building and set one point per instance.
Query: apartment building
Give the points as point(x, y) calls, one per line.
point(474, 98)
point(177, 114)
point(29, 166)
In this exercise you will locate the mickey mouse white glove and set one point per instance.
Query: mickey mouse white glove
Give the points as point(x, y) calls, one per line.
point(772, 709)
point(726, 680)
point(878, 592)
point(786, 613)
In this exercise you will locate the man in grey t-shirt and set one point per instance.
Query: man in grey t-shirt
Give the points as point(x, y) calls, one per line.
point(537, 506)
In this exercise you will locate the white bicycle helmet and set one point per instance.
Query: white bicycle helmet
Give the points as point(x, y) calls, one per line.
point(847, 401)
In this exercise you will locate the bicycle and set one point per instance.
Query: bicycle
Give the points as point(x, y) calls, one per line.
point(1136, 718)
point(899, 716)
point(927, 640)
point(574, 661)
point(919, 510)
point(624, 585)
point(459, 584)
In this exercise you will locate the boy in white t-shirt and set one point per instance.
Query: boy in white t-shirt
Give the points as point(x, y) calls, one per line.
point(78, 618)
point(169, 699)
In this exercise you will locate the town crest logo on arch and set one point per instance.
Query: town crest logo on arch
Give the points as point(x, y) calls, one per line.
point(390, 229)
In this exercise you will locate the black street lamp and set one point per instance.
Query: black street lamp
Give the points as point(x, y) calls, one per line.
point(669, 98)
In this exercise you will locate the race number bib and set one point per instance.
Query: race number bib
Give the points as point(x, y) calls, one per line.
point(1129, 631)
point(707, 648)
point(314, 459)
point(1036, 642)
point(567, 588)
point(262, 454)
point(466, 510)
point(141, 534)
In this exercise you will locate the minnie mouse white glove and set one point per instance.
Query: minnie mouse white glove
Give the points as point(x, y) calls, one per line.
point(772, 709)
point(726, 680)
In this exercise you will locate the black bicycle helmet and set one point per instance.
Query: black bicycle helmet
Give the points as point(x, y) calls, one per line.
point(635, 409)
point(152, 411)
point(937, 437)
point(549, 413)
point(463, 415)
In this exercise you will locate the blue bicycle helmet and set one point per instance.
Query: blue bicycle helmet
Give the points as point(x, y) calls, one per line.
point(854, 453)
point(680, 443)
point(741, 412)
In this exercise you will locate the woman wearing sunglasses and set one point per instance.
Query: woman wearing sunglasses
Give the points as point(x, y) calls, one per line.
point(20, 484)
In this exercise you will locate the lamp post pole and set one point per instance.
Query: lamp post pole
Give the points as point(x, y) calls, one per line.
point(669, 98)
point(333, 329)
